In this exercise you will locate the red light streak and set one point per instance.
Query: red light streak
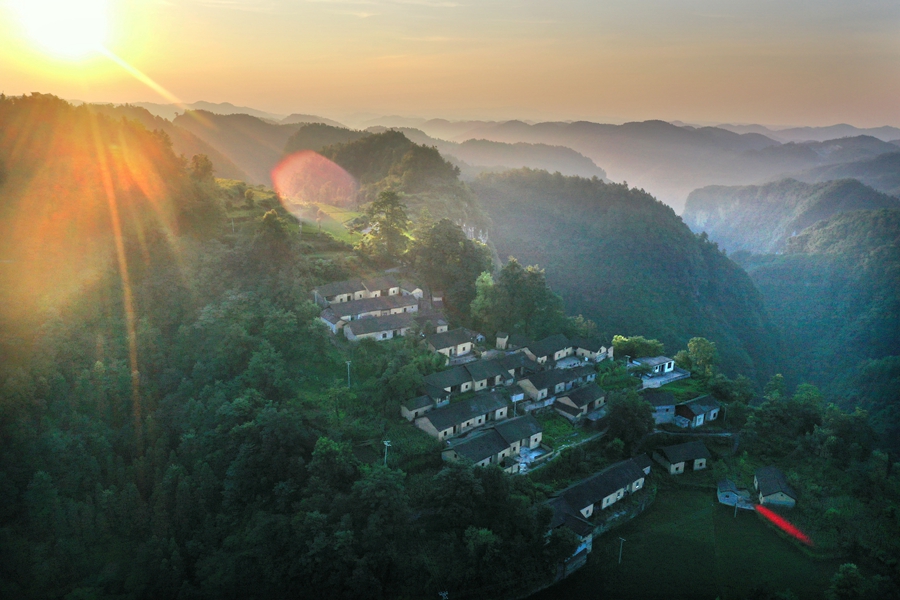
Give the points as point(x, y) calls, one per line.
point(784, 525)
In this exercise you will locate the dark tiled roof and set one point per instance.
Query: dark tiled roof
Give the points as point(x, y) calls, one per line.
point(340, 287)
point(592, 344)
point(643, 461)
point(355, 307)
point(329, 316)
point(652, 361)
point(550, 345)
point(448, 378)
point(658, 398)
point(417, 403)
point(545, 380)
point(376, 324)
point(684, 452)
point(519, 428)
point(571, 410)
point(599, 486)
point(701, 405)
point(380, 283)
point(484, 369)
point(771, 481)
point(517, 360)
point(481, 445)
point(518, 340)
point(448, 339)
point(463, 410)
point(563, 514)
point(585, 395)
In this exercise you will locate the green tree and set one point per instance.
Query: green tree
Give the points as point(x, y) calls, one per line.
point(387, 240)
point(703, 354)
point(202, 168)
point(636, 347)
point(630, 418)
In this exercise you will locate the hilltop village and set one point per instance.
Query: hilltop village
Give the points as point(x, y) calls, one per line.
point(490, 403)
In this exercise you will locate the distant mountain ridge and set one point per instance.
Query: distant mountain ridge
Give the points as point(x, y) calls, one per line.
point(761, 218)
point(881, 172)
point(816, 134)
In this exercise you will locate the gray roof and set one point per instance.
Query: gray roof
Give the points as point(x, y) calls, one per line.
point(599, 486)
point(481, 445)
point(652, 361)
point(417, 402)
point(463, 410)
point(484, 369)
point(701, 405)
point(518, 340)
point(771, 481)
point(447, 339)
point(380, 283)
point(659, 398)
point(571, 410)
point(592, 344)
point(376, 324)
point(355, 307)
point(643, 461)
point(517, 360)
point(585, 394)
point(726, 485)
point(552, 377)
point(339, 287)
point(564, 514)
point(518, 428)
point(684, 452)
point(448, 378)
point(329, 316)
point(550, 345)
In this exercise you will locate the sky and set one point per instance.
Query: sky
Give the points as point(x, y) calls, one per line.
point(784, 62)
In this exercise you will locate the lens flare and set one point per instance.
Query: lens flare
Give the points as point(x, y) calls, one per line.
point(308, 177)
point(784, 525)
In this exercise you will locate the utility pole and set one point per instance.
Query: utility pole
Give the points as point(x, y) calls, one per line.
point(387, 444)
point(621, 543)
point(348, 372)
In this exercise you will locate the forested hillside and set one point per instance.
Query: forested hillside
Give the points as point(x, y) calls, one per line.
point(625, 260)
point(834, 297)
point(431, 185)
point(762, 218)
point(174, 421)
point(881, 172)
point(254, 145)
point(183, 141)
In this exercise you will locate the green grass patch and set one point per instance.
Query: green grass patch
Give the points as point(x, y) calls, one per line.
point(558, 432)
point(686, 389)
point(687, 545)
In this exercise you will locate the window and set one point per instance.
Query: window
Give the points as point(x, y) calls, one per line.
point(383, 335)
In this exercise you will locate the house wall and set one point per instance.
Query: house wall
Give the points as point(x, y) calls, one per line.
point(664, 414)
point(440, 329)
point(412, 415)
point(699, 464)
point(481, 384)
point(535, 440)
point(672, 468)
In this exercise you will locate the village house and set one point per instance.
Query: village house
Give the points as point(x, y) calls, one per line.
point(643, 462)
point(773, 488)
point(435, 318)
point(605, 488)
point(676, 458)
point(455, 380)
point(592, 349)
point(456, 342)
point(546, 384)
point(378, 306)
point(553, 348)
point(457, 417)
point(696, 412)
point(379, 328)
point(663, 404)
point(416, 407)
point(657, 365)
point(578, 402)
point(331, 320)
point(566, 516)
point(517, 365)
point(499, 444)
point(354, 289)
point(408, 288)
point(502, 340)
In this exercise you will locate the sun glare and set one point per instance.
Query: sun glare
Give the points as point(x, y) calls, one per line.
point(71, 29)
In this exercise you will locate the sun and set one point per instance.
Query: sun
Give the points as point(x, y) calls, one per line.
point(72, 29)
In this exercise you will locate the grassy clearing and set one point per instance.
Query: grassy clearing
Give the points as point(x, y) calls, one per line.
point(558, 432)
point(685, 389)
point(687, 545)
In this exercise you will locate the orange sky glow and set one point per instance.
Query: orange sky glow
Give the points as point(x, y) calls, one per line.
point(783, 63)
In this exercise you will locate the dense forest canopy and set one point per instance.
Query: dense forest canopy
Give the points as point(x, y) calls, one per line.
point(626, 261)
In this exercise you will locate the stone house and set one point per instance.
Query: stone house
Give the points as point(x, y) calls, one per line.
point(663, 404)
point(696, 412)
point(578, 402)
point(457, 417)
point(456, 342)
point(499, 444)
point(773, 488)
point(676, 458)
point(605, 488)
point(553, 348)
point(379, 328)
